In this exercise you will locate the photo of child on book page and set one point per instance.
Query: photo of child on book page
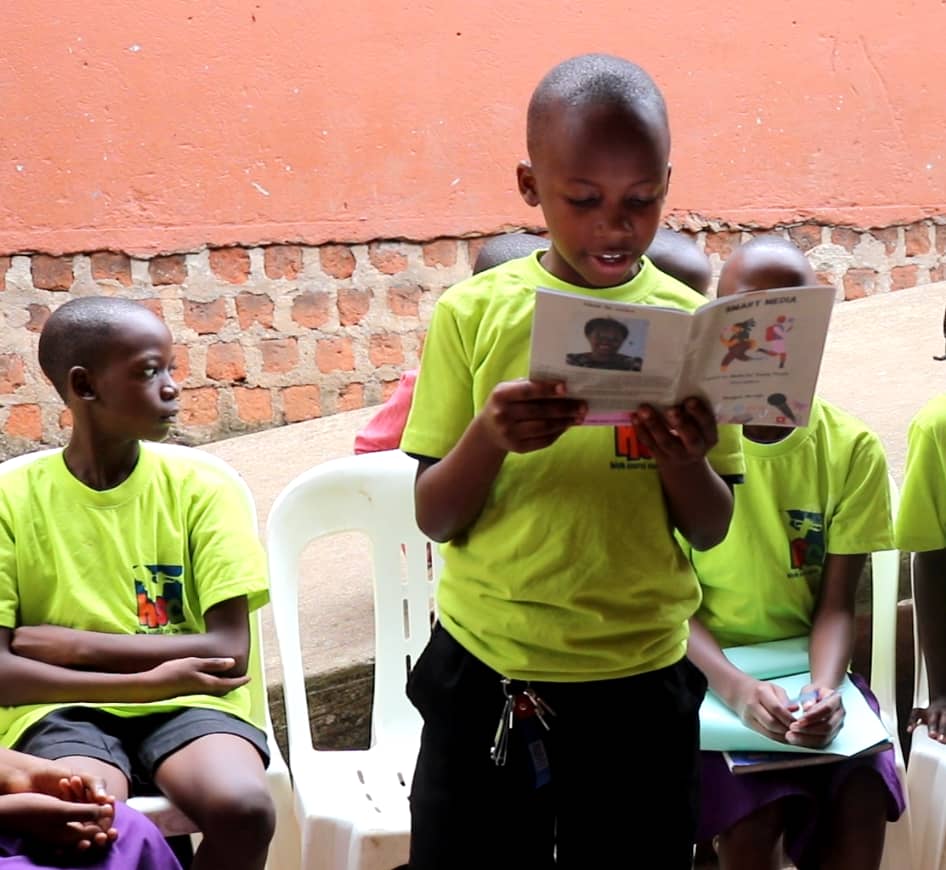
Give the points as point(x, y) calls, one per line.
point(608, 336)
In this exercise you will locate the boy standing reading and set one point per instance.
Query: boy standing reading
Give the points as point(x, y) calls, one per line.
point(556, 674)
point(126, 581)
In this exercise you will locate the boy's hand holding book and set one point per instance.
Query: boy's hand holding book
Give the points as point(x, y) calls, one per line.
point(522, 416)
point(683, 434)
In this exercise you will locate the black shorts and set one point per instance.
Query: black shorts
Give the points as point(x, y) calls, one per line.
point(136, 745)
point(622, 754)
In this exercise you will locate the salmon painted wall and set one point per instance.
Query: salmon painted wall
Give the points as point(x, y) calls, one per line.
point(169, 125)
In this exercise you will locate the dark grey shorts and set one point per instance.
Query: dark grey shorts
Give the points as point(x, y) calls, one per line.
point(136, 745)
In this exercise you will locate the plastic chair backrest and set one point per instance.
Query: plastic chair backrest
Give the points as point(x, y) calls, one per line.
point(372, 493)
point(885, 581)
point(921, 688)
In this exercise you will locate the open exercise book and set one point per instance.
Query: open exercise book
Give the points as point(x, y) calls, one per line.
point(785, 662)
point(754, 357)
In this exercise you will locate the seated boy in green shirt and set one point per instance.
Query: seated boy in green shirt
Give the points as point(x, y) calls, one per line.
point(127, 576)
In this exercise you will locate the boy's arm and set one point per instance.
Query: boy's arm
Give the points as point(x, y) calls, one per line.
point(699, 501)
point(28, 681)
point(520, 416)
point(830, 646)
point(929, 589)
point(227, 636)
point(761, 706)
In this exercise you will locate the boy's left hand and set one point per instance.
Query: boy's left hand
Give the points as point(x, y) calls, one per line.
point(820, 720)
point(682, 435)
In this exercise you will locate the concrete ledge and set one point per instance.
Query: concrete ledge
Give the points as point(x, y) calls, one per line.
point(339, 708)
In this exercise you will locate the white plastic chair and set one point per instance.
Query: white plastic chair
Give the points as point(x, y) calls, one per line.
point(284, 849)
point(926, 775)
point(885, 577)
point(352, 805)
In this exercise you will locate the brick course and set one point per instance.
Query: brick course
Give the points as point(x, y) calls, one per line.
point(281, 333)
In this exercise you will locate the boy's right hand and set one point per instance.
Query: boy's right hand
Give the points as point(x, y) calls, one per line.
point(193, 676)
point(765, 707)
point(933, 716)
point(522, 416)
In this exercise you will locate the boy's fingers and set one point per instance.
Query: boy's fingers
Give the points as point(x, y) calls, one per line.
point(935, 723)
point(704, 418)
point(222, 663)
point(528, 391)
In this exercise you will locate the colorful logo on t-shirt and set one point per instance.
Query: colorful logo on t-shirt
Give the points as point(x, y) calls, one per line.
point(806, 539)
point(165, 608)
point(627, 445)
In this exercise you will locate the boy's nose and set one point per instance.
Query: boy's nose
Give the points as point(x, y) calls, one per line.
point(169, 388)
point(616, 221)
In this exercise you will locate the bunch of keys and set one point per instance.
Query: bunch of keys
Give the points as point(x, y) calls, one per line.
point(522, 703)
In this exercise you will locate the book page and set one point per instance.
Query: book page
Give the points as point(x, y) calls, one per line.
point(759, 762)
point(721, 729)
point(614, 355)
point(772, 658)
point(754, 357)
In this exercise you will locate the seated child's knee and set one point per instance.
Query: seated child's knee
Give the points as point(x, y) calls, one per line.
point(246, 813)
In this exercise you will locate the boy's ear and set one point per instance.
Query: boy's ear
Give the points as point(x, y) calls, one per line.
point(80, 383)
point(528, 189)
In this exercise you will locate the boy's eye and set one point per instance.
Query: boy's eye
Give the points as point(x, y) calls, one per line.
point(638, 203)
point(583, 202)
point(149, 371)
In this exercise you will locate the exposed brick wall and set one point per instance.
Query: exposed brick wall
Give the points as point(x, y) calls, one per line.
point(283, 333)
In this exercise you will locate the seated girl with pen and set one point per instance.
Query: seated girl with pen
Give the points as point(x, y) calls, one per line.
point(814, 503)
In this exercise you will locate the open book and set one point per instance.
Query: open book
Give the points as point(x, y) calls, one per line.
point(748, 751)
point(753, 357)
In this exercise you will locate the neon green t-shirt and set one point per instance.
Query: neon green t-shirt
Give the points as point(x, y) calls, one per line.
point(921, 516)
point(571, 571)
point(823, 489)
point(150, 556)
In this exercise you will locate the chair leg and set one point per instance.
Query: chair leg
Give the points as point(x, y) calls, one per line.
point(183, 849)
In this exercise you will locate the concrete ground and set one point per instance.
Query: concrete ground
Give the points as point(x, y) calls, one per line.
point(878, 365)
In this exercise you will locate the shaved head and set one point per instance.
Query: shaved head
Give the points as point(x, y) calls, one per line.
point(79, 333)
point(764, 263)
point(678, 255)
point(601, 81)
point(508, 246)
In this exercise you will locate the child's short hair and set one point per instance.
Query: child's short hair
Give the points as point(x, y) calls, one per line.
point(765, 261)
point(78, 334)
point(605, 323)
point(596, 79)
point(679, 256)
point(508, 246)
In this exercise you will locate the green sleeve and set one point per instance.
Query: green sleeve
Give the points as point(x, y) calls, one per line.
point(861, 520)
point(921, 517)
point(443, 404)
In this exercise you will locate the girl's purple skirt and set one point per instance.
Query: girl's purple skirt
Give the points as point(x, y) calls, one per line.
point(727, 799)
